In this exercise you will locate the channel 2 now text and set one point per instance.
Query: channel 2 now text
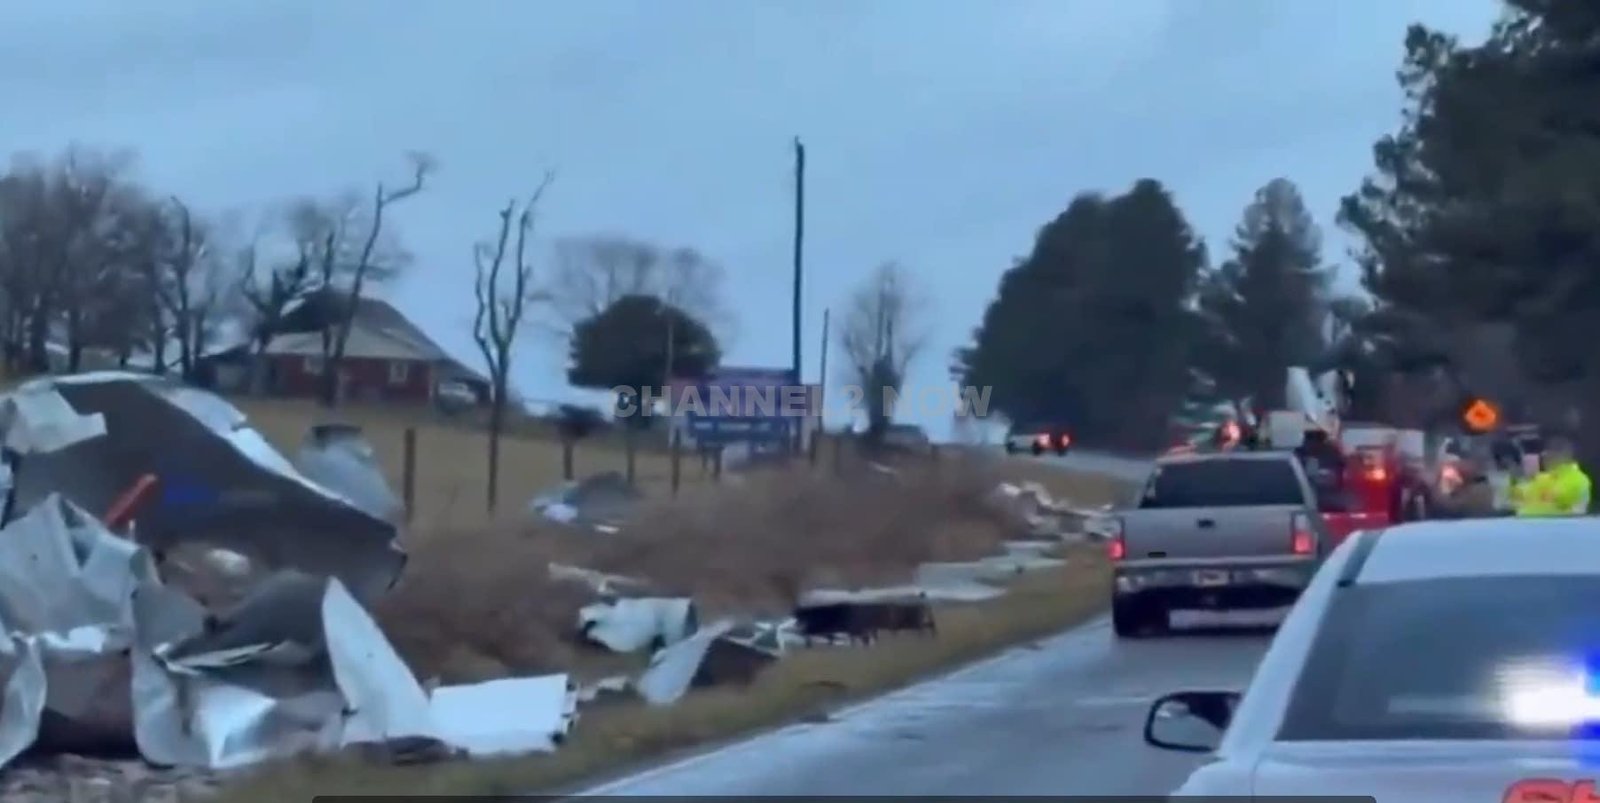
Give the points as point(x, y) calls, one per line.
point(799, 401)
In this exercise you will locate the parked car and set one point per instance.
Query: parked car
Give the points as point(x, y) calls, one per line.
point(452, 396)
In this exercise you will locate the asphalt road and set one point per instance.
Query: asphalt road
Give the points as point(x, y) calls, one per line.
point(1060, 716)
point(1130, 469)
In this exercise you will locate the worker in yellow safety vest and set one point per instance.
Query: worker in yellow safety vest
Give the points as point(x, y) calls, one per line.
point(1561, 488)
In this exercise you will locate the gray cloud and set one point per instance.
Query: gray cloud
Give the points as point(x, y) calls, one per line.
point(942, 132)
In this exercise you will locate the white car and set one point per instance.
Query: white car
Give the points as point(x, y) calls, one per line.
point(1433, 661)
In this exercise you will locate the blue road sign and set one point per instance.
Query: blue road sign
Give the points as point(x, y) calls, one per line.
point(744, 405)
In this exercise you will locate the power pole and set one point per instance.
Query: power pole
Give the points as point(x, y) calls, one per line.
point(799, 238)
point(822, 372)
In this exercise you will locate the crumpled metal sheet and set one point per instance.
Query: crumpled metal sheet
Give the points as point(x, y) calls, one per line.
point(672, 670)
point(36, 419)
point(220, 481)
point(98, 654)
point(510, 715)
point(339, 457)
point(711, 656)
point(631, 624)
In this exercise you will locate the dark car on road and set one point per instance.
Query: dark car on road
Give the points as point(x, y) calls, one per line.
point(1038, 440)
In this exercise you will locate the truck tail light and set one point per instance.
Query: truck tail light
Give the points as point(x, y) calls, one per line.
point(1117, 545)
point(1302, 539)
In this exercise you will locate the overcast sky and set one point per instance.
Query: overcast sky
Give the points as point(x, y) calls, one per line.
point(940, 133)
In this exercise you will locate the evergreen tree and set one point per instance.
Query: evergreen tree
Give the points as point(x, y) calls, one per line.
point(1485, 205)
point(1268, 303)
point(1093, 329)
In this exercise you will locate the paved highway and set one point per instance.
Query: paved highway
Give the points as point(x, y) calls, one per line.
point(1060, 716)
point(1126, 468)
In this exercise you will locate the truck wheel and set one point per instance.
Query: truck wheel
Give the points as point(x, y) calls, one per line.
point(1011, 448)
point(1132, 619)
point(1037, 449)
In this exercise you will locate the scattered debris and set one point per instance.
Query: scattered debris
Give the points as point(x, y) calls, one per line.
point(598, 582)
point(862, 620)
point(605, 690)
point(706, 658)
point(219, 481)
point(173, 588)
point(598, 502)
point(224, 631)
point(628, 625)
point(511, 715)
point(339, 457)
point(1037, 513)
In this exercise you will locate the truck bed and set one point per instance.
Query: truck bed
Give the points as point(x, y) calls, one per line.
point(1223, 532)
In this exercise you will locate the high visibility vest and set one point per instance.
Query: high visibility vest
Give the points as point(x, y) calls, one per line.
point(1569, 490)
point(1561, 491)
point(1529, 497)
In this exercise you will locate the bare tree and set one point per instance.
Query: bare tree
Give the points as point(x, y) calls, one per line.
point(90, 259)
point(64, 252)
point(500, 311)
point(881, 335)
point(181, 289)
point(269, 292)
point(382, 198)
point(23, 222)
point(591, 273)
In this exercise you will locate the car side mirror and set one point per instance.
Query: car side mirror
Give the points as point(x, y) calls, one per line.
point(1190, 721)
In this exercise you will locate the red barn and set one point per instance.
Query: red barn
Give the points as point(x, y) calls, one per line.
point(387, 357)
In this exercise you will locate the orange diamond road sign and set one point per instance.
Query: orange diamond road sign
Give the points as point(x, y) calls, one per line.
point(1481, 415)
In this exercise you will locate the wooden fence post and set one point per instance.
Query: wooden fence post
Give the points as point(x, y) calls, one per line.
point(408, 480)
point(677, 460)
point(630, 451)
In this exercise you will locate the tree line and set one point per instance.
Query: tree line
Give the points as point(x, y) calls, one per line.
point(1478, 234)
point(92, 259)
point(1118, 317)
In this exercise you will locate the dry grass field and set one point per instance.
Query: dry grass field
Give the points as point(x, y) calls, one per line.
point(452, 459)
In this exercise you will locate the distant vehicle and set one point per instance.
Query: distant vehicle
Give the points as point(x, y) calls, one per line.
point(1219, 531)
point(453, 396)
point(1038, 440)
point(1493, 696)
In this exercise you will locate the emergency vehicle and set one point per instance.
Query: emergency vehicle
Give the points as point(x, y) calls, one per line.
point(1376, 477)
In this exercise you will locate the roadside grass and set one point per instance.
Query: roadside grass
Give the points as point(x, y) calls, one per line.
point(804, 685)
point(452, 458)
point(478, 603)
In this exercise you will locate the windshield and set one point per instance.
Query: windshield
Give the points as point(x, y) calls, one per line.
point(1223, 482)
point(1477, 658)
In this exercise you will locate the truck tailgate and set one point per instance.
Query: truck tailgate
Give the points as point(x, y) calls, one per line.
point(1220, 532)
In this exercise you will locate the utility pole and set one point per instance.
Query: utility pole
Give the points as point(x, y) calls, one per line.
point(799, 238)
point(822, 372)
